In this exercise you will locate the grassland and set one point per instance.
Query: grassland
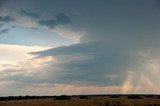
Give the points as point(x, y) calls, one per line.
point(90, 101)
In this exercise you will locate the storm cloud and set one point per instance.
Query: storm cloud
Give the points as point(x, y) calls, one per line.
point(113, 48)
point(119, 46)
point(60, 19)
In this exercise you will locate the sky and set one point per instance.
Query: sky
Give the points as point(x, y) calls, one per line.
point(57, 47)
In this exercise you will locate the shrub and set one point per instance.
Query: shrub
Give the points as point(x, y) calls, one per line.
point(149, 96)
point(83, 97)
point(158, 97)
point(134, 97)
point(62, 97)
point(114, 96)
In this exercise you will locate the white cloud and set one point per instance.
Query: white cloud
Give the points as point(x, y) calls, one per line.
point(68, 32)
point(13, 53)
point(16, 58)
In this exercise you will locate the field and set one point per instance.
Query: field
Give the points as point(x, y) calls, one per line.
point(89, 101)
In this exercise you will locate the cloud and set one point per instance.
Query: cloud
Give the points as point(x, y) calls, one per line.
point(30, 14)
point(6, 19)
point(80, 60)
point(115, 55)
point(69, 32)
point(4, 31)
point(16, 64)
point(1, 25)
point(62, 25)
point(5, 22)
point(2, 1)
point(101, 63)
point(10, 53)
point(49, 23)
point(47, 89)
point(60, 19)
point(119, 52)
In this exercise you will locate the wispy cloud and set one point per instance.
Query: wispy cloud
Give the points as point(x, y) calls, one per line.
point(60, 24)
point(6, 19)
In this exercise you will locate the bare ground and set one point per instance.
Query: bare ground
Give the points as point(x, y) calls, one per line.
point(91, 101)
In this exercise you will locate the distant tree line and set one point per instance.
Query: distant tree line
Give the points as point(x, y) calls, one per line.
point(24, 97)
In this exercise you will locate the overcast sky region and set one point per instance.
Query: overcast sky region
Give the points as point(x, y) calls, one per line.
point(57, 47)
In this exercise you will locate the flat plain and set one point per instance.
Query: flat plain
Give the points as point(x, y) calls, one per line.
point(90, 101)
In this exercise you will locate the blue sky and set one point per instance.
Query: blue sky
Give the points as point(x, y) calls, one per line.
point(56, 47)
point(26, 36)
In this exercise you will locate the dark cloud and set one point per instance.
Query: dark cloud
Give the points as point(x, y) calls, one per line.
point(7, 19)
point(118, 41)
point(2, 2)
point(104, 63)
point(59, 19)
point(13, 26)
point(30, 14)
point(62, 18)
point(4, 31)
point(49, 23)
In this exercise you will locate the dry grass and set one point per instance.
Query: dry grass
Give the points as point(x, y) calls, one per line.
point(92, 101)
